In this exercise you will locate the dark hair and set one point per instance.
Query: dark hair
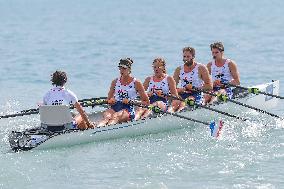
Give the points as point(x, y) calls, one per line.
point(161, 60)
point(130, 60)
point(58, 78)
point(190, 49)
point(217, 45)
point(125, 62)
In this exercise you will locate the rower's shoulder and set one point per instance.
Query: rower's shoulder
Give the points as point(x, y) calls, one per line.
point(209, 64)
point(203, 69)
point(68, 91)
point(113, 82)
point(137, 81)
point(178, 68)
point(138, 85)
point(177, 71)
point(202, 66)
point(170, 78)
point(230, 61)
point(148, 78)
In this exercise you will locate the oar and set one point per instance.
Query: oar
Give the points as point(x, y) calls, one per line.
point(158, 110)
point(225, 98)
point(94, 98)
point(254, 90)
point(192, 103)
point(215, 129)
point(21, 113)
point(92, 102)
point(84, 102)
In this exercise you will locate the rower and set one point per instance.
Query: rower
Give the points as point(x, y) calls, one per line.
point(222, 71)
point(123, 90)
point(158, 87)
point(60, 96)
point(192, 75)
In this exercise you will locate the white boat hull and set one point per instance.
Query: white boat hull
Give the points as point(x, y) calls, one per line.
point(164, 122)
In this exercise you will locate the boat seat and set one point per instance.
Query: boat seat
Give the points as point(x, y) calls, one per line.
point(55, 118)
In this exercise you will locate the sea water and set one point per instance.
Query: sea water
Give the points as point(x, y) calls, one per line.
point(88, 38)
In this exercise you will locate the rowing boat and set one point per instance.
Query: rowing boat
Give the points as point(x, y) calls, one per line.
point(39, 138)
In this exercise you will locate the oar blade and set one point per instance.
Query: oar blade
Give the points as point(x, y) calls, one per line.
point(216, 128)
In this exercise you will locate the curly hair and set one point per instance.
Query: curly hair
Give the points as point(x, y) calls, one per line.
point(58, 78)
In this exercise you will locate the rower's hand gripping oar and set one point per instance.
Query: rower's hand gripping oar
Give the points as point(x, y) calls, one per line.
point(84, 102)
point(253, 90)
point(215, 129)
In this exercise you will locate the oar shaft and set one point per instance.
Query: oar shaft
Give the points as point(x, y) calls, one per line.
point(187, 118)
point(245, 105)
point(212, 109)
point(20, 114)
point(92, 99)
point(260, 92)
point(255, 108)
point(169, 113)
point(224, 113)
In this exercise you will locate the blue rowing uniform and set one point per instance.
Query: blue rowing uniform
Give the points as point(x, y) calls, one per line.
point(118, 106)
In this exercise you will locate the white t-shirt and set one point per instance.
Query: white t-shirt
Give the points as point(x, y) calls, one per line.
point(59, 96)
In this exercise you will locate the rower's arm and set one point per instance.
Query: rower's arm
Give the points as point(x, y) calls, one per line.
point(82, 113)
point(146, 83)
point(142, 93)
point(204, 75)
point(235, 73)
point(176, 75)
point(209, 67)
point(172, 86)
point(112, 89)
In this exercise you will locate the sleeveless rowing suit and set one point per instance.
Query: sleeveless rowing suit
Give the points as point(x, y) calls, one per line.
point(223, 74)
point(163, 86)
point(124, 92)
point(193, 79)
point(60, 96)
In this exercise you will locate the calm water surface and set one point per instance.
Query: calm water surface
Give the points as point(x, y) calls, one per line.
point(87, 39)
